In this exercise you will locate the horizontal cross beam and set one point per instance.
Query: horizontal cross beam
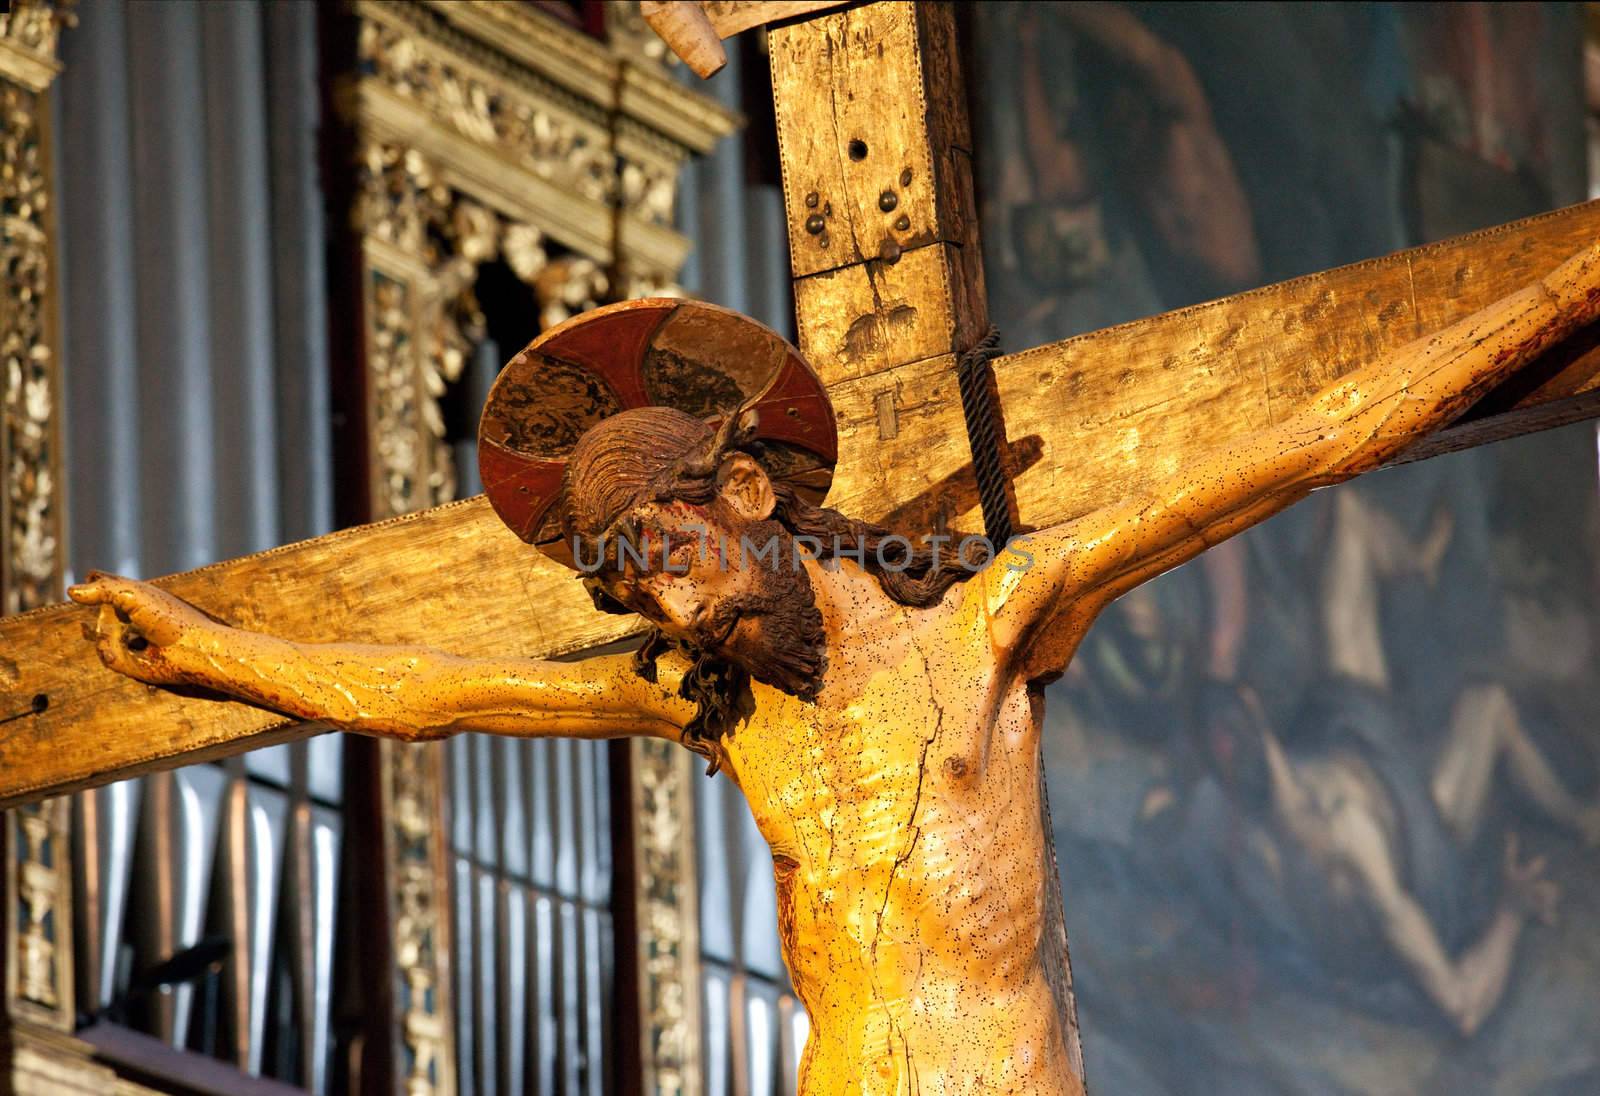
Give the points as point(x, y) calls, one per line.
point(1116, 410)
point(1097, 416)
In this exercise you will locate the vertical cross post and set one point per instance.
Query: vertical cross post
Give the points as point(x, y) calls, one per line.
point(888, 277)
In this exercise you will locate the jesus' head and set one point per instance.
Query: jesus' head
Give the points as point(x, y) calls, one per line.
point(682, 524)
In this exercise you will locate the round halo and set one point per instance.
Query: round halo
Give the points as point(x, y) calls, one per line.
point(699, 358)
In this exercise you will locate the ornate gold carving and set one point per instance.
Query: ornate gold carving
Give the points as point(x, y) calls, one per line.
point(569, 285)
point(650, 191)
point(31, 574)
point(610, 76)
point(392, 373)
point(39, 892)
point(629, 36)
point(535, 121)
point(555, 143)
point(424, 318)
point(38, 877)
point(43, 944)
point(34, 26)
point(28, 36)
point(644, 283)
point(523, 247)
point(669, 937)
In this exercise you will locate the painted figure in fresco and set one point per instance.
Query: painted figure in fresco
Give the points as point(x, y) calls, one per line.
point(1485, 733)
point(1129, 107)
point(1365, 860)
point(1368, 823)
point(877, 701)
point(1407, 810)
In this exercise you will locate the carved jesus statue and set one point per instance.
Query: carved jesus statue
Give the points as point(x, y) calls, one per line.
point(878, 704)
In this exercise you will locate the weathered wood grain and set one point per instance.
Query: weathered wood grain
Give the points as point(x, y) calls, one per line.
point(902, 437)
point(1120, 408)
point(868, 135)
point(884, 327)
point(451, 577)
point(868, 105)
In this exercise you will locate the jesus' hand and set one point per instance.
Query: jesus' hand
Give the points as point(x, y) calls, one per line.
point(143, 631)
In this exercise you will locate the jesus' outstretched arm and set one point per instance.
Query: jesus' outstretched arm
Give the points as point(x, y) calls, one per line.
point(1044, 592)
point(410, 693)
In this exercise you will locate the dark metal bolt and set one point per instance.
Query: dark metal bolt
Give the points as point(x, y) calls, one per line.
point(824, 239)
point(902, 222)
point(814, 223)
point(858, 150)
point(812, 199)
point(905, 177)
point(888, 200)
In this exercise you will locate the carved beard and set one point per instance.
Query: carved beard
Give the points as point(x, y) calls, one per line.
point(774, 633)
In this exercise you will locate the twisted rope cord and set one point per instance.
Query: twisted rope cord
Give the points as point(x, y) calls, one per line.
point(982, 412)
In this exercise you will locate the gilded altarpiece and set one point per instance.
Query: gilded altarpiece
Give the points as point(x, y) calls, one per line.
point(489, 132)
point(484, 132)
point(38, 1053)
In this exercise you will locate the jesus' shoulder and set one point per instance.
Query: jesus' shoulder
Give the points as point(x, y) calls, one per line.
point(1042, 595)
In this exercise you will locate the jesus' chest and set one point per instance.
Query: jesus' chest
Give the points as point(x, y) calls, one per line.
point(904, 827)
point(910, 771)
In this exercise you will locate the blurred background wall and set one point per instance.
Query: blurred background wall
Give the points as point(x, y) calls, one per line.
point(1416, 647)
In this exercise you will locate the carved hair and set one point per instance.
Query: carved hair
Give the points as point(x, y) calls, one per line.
point(661, 454)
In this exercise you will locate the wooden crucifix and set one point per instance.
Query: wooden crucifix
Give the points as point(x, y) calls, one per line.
point(925, 957)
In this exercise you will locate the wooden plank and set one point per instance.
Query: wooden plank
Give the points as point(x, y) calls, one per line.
point(869, 105)
point(903, 454)
point(871, 145)
point(1117, 409)
point(874, 315)
point(450, 577)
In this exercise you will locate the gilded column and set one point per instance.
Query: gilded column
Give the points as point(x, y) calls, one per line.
point(488, 131)
point(39, 1054)
point(409, 359)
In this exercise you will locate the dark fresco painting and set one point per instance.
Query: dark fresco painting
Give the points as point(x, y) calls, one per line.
point(1327, 800)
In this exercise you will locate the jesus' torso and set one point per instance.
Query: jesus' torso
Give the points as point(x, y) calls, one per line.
point(904, 821)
